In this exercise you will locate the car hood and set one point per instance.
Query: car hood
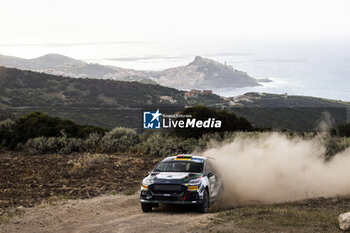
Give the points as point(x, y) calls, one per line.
point(172, 177)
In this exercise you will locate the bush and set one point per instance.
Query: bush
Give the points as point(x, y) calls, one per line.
point(38, 124)
point(6, 124)
point(161, 144)
point(229, 122)
point(208, 139)
point(344, 130)
point(6, 128)
point(61, 145)
point(92, 143)
point(119, 140)
point(335, 145)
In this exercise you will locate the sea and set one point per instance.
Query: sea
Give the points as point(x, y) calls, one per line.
point(318, 72)
point(306, 70)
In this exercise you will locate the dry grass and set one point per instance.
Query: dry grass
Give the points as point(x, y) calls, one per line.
point(314, 215)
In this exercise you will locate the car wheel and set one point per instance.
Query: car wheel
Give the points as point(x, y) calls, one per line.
point(146, 207)
point(203, 207)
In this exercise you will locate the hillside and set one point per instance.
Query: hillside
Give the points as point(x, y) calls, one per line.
point(253, 99)
point(105, 103)
point(201, 73)
point(59, 65)
point(298, 113)
point(109, 103)
point(44, 62)
point(26, 88)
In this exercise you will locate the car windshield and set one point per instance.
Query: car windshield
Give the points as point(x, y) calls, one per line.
point(179, 166)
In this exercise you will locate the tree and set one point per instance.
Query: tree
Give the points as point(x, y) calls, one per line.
point(39, 124)
point(229, 122)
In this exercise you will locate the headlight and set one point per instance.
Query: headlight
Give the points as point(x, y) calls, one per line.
point(147, 181)
point(194, 181)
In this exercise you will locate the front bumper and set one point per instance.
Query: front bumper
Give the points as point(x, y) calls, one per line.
point(186, 197)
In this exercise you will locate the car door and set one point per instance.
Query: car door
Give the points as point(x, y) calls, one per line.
point(210, 173)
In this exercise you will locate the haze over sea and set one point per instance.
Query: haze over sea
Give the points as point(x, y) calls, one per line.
point(321, 70)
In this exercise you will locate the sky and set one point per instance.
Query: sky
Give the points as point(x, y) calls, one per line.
point(305, 43)
point(194, 24)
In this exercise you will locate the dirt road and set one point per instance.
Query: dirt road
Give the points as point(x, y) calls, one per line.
point(27, 181)
point(118, 213)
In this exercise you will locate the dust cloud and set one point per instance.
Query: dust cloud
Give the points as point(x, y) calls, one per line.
point(272, 168)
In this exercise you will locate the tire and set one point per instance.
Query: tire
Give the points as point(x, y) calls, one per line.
point(146, 207)
point(203, 207)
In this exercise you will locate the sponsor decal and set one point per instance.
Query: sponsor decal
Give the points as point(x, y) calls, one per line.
point(182, 159)
point(199, 160)
point(192, 188)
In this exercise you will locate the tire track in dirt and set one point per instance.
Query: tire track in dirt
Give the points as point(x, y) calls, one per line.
point(118, 213)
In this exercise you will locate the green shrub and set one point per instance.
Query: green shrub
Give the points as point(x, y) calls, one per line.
point(61, 145)
point(229, 122)
point(161, 144)
point(6, 128)
point(335, 145)
point(119, 140)
point(38, 124)
point(119, 132)
point(36, 145)
point(7, 124)
point(344, 130)
point(92, 143)
point(208, 139)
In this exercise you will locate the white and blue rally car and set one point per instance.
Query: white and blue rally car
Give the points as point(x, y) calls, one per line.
point(182, 179)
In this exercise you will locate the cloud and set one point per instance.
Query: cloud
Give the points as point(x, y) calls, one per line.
point(72, 44)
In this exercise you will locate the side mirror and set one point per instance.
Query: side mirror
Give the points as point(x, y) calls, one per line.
point(210, 175)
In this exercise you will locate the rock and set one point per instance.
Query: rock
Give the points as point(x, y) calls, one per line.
point(344, 221)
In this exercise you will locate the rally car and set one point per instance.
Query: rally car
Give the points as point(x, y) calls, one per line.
point(182, 179)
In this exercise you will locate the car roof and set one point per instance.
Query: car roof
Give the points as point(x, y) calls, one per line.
point(194, 158)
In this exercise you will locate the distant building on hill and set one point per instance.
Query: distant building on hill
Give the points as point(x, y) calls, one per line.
point(165, 98)
point(190, 94)
point(195, 93)
point(207, 92)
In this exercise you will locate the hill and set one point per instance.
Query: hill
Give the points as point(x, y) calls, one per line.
point(57, 64)
point(109, 103)
point(26, 88)
point(44, 62)
point(297, 113)
point(204, 73)
point(105, 103)
point(201, 73)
